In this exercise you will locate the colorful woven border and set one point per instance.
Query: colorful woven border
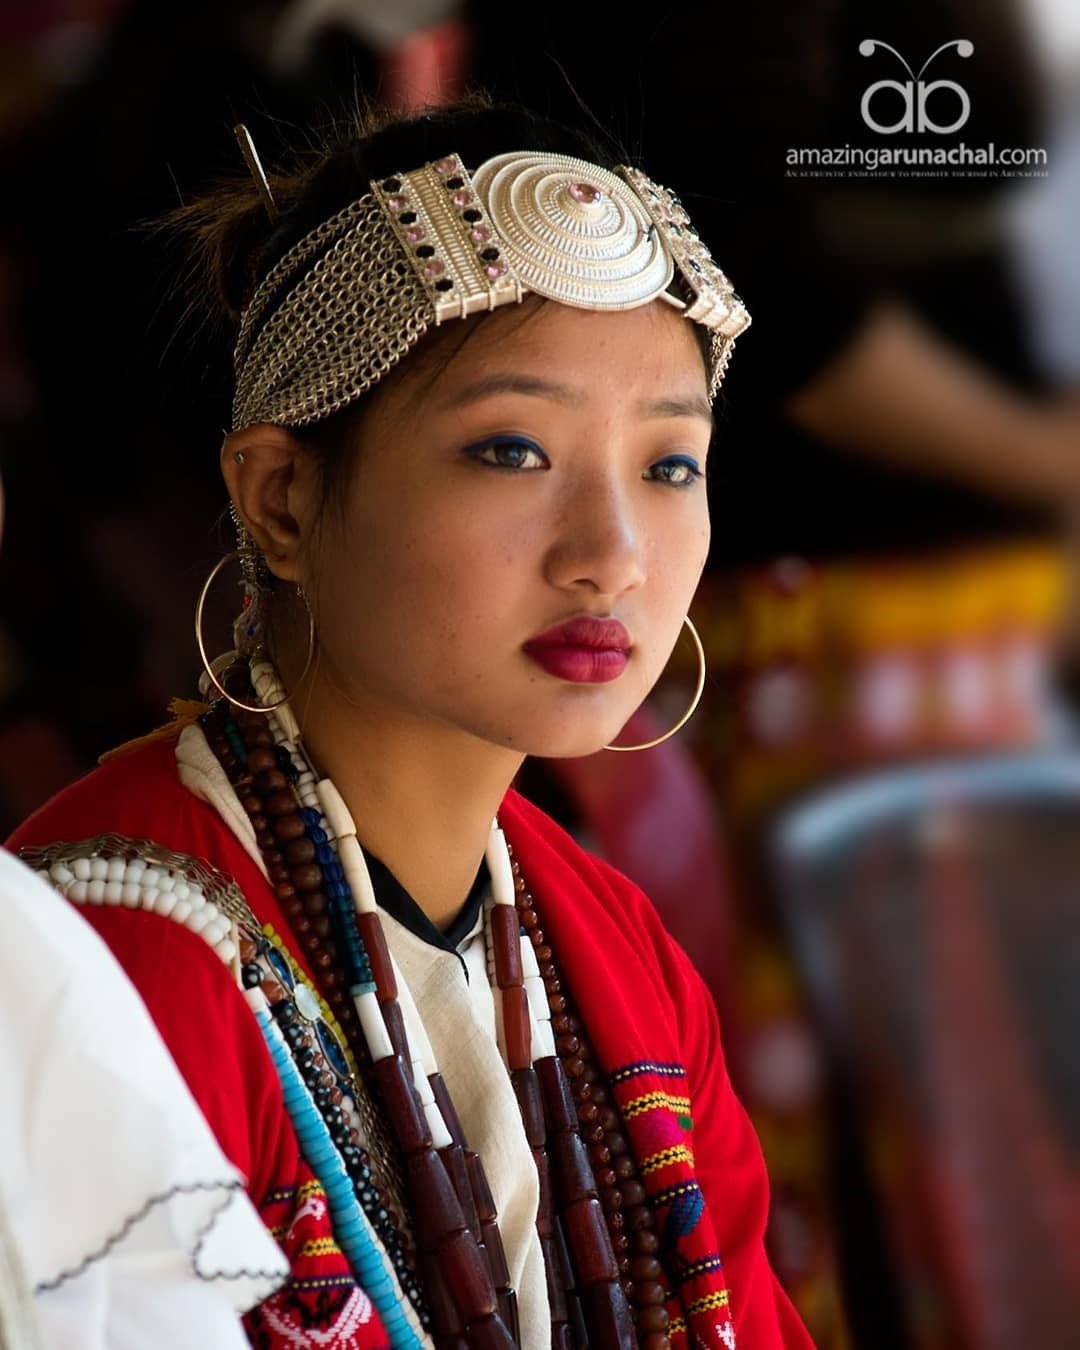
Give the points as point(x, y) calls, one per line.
point(655, 1102)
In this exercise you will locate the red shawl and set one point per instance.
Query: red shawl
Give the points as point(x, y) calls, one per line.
point(650, 1019)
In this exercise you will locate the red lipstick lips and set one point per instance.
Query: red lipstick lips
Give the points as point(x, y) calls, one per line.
point(585, 650)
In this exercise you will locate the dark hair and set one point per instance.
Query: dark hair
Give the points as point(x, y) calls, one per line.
point(234, 244)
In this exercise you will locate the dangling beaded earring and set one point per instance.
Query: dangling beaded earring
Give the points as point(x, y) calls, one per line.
point(249, 630)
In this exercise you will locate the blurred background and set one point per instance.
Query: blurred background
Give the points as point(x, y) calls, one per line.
point(869, 835)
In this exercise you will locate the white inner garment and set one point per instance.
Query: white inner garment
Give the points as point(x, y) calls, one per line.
point(459, 1017)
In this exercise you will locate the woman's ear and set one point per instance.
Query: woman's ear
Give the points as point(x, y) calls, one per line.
point(273, 481)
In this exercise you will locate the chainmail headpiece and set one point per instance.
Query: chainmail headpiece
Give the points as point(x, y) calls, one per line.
point(348, 301)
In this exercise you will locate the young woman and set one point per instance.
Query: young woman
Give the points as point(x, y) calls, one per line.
point(477, 1091)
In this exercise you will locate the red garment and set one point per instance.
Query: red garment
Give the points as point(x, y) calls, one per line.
point(650, 1019)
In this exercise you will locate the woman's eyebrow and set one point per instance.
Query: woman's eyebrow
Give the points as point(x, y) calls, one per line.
point(694, 405)
point(535, 386)
point(509, 382)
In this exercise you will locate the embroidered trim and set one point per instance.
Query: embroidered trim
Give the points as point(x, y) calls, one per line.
point(325, 1282)
point(696, 1268)
point(230, 1186)
point(677, 1153)
point(721, 1299)
point(324, 1246)
point(647, 1066)
point(653, 1100)
point(293, 1325)
point(670, 1193)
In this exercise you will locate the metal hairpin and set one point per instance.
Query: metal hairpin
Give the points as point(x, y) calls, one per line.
point(254, 163)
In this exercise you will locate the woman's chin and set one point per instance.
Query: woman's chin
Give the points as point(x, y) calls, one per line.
point(568, 744)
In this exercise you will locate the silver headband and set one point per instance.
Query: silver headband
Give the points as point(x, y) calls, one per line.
point(347, 302)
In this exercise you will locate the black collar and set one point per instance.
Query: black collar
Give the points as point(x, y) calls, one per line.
point(392, 896)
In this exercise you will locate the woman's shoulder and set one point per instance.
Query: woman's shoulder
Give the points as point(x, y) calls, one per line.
point(154, 870)
point(557, 863)
point(168, 792)
point(604, 926)
point(142, 858)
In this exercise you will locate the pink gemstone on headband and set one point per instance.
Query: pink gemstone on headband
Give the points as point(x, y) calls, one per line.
point(462, 198)
point(495, 270)
point(584, 192)
point(397, 203)
point(414, 234)
point(433, 269)
point(444, 166)
point(480, 234)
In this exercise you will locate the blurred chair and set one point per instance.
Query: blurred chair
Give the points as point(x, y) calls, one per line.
point(935, 912)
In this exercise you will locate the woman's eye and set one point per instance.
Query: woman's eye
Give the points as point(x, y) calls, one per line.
point(509, 452)
point(679, 472)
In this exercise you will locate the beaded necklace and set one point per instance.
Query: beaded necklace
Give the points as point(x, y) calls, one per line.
point(595, 1227)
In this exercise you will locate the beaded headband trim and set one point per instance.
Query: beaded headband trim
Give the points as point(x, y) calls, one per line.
point(354, 296)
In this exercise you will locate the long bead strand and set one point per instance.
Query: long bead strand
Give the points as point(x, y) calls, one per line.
point(630, 1218)
point(554, 1131)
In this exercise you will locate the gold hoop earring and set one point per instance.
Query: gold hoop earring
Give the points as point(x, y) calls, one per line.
point(244, 555)
point(648, 745)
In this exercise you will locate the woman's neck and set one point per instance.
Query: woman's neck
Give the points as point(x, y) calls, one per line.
point(421, 793)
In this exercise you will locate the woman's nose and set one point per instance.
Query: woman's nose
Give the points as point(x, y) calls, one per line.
point(598, 543)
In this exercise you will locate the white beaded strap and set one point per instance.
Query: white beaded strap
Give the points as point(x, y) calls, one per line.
point(543, 1038)
point(283, 726)
point(498, 861)
point(341, 828)
point(322, 796)
point(423, 1062)
point(489, 946)
point(354, 865)
point(373, 1025)
point(503, 893)
point(94, 880)
point(339, 821)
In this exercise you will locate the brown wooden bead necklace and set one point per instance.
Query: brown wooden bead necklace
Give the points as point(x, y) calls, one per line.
point(630, 1217)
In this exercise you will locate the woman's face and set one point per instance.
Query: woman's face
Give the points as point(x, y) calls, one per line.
point(552, 470)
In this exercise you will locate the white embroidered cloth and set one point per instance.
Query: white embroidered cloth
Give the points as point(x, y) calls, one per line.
point(132, 1229)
